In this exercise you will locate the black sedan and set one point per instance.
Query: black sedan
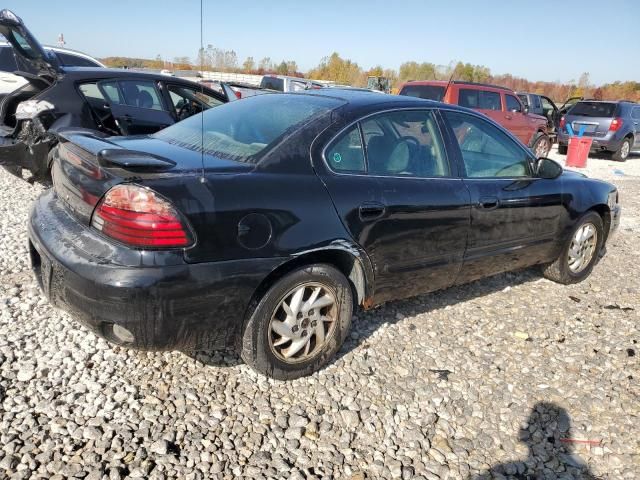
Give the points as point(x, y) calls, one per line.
point(262, 223)
point(110, 101)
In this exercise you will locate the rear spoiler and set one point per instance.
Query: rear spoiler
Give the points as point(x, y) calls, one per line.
point(109, 154)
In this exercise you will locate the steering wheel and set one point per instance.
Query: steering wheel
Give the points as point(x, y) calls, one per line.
point(186, 110)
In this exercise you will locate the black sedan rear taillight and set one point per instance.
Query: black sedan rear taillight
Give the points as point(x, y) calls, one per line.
point(139, 217)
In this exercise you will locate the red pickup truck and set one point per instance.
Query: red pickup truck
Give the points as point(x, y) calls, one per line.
point(499, 103)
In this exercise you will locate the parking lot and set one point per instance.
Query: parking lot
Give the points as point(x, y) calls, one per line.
point(439, 386)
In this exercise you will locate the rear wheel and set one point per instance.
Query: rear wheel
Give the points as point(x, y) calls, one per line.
point(580, 254)
point(299, 324)
point(541, 145)
point(562, 149)
point(623, 152)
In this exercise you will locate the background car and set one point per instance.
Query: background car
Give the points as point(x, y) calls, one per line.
point(10, 81)
point(262, 223)
point(498, 103)
point(613, 126)
point(543, 106)
point(113, 102)
point(283, 83)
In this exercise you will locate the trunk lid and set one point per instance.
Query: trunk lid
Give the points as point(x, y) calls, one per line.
point(30, 56)
point(86, 165)
point(592, 118)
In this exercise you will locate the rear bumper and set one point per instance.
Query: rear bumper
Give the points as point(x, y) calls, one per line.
point(167, 306)
point(608, 142)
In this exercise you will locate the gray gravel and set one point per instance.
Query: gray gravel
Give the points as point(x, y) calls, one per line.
point(473, 381)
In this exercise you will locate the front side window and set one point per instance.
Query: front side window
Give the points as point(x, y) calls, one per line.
point(346, 153)
point(187, 101)
point(513, 105)
point(409, 145)
point(487, 152)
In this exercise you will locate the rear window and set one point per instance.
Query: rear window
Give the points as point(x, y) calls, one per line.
point(71, 60)
point(428, 92)
point(593, 109)
point(244, 131)
point(272, 83)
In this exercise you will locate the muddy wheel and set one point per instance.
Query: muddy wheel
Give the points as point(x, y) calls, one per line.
point(299, 324)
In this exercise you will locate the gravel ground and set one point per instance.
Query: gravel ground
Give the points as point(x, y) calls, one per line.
point(479, 379)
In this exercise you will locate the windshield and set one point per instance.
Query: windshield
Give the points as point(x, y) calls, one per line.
point(246, 129)
point(428, 92)
point(593, 109)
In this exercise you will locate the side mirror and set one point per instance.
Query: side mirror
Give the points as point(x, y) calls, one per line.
point(548, 169)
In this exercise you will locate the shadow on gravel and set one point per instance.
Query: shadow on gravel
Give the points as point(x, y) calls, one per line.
point(216, 358)
point(547, 433)
point(365, 323)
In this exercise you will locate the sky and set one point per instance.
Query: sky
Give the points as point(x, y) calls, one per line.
point(542, 40)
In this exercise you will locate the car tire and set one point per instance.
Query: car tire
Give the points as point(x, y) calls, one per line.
point(280, 323)
point(622, 153)
point(564, 269)
point(541, 142)
point(562, 149)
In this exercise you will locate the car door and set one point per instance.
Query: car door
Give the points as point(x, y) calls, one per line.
point(395, 191)
point(136, 106)
point(515, 119)
point(515, 217)
point(550, 110)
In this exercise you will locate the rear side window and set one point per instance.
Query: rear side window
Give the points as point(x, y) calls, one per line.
point(428, 92)
point(141, 94)
point(71, 60)
point(7, 60)
point(513, 105)
point(346, 154)
point(272, 83)
point(593, 109)
point(479, 99)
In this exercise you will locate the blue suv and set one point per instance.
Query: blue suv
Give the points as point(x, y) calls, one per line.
point(614, 126)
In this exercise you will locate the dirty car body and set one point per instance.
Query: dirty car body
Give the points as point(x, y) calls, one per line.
point(261, 202)
point(110, 101)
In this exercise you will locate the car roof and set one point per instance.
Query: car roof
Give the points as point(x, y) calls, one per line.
point(360, 98)
point(61, 50)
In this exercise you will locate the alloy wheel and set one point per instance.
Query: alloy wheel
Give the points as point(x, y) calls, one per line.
point(583, 247)
point(302, 323)
point(542, 148)
point(624, 150)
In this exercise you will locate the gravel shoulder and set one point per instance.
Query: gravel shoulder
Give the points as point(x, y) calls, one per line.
point(491, 378)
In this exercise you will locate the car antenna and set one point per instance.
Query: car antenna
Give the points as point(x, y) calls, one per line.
point(449, 82)
point(202, 178)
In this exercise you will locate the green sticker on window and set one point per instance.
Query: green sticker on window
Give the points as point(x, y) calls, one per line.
point(337, 157)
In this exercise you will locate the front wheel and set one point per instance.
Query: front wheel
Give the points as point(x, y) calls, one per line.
point(541, 145)
point(299, 324)
point(580, 254)
point(623, 152)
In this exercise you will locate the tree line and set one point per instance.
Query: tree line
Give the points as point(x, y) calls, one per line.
point(347, 72)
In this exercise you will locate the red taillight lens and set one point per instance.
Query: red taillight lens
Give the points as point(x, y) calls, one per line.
point(563, 123)
point(139, 217)
point(238, 95)
point(616, 123)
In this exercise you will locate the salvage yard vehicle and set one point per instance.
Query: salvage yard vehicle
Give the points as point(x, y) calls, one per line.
point(9, 81)
point(498, 103)
point(613, 126)
point(543, 106)
point(283, 83)
point(113, 102)
point(262, 223)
